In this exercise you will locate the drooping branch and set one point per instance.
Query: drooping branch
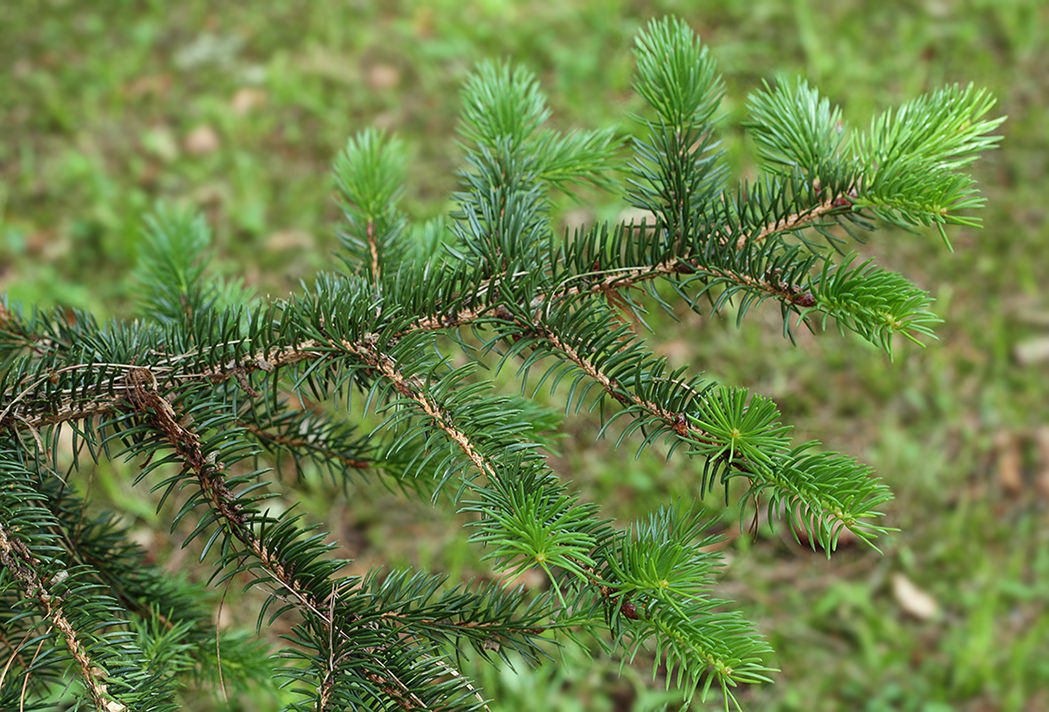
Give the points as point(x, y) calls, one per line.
point(20, 562)
point(678, 422)
point(143, 398)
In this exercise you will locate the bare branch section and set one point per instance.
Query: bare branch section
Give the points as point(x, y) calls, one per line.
point(373, 249)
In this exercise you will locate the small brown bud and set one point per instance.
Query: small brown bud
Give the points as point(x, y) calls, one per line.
point(805, 299)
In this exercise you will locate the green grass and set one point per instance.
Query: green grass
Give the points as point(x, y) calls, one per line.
point(98, 105)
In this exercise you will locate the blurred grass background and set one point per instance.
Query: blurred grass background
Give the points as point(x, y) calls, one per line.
point(239, 108)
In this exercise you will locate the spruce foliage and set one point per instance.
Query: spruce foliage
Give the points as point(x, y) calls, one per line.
point(201, 392)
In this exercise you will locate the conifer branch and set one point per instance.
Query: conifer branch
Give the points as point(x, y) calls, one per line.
point(213, 377)
point(743, 436)
point(303, 444)
point(18, 559)
point(142, 397)
point(796, 221)
point(141, 386)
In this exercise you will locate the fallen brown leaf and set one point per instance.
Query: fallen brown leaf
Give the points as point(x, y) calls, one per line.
point(201, 140)
point(1041, 484)
point(1008, 463)
point(246, 99)
point(1032, 351)
point(383, 76)
point(913, 600)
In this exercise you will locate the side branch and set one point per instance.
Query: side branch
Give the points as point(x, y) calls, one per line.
point(69, 408)
point(631, 276)
point(679, 423)
point(303, 444)
point(413, 389)
point(156, 409)
point(797, 220)
point(18, 415)
point(20, 562)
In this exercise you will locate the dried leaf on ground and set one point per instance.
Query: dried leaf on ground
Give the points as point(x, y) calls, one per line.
point(913, 600)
